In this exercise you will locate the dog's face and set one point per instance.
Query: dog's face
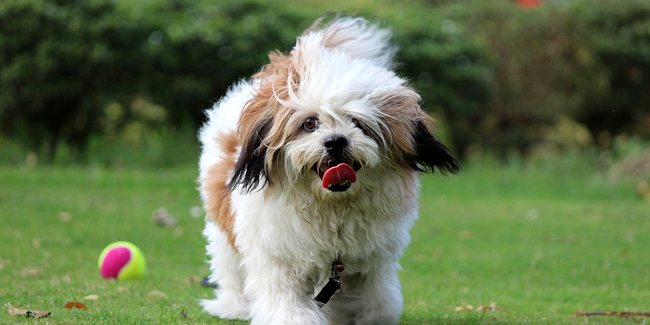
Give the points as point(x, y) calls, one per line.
point(324, 140)
point(320, 116)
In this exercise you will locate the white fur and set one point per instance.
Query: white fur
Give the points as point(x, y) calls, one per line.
point(226, 271)
point(287, 235)
point(222, 119)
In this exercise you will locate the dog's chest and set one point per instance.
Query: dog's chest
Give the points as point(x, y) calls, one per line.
point(310, 232)
point(361, 229)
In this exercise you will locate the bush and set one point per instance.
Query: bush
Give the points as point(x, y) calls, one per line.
point(619, 34)
point(66, 63)
point(580, 60)
point(56, 63)
point(450, 71)
point(81, 73)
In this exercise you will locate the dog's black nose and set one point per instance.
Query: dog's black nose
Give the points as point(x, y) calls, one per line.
point(335, 144)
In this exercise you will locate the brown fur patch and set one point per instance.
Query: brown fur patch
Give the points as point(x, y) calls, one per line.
point(216, 187)
point(265, 107)
point(403, 113)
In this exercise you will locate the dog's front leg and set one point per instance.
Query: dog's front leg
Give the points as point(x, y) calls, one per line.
point(373, 298)
point(278, 293)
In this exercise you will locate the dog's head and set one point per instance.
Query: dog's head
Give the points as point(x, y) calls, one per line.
point(331, 108)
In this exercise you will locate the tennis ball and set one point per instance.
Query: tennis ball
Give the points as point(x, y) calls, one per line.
point(121, 260)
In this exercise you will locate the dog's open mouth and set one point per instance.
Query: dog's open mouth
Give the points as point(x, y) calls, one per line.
point(337, 175)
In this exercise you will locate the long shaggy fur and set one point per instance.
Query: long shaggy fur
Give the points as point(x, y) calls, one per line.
point(273, 230)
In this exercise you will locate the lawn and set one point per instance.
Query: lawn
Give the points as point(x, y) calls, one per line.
point(539, 243)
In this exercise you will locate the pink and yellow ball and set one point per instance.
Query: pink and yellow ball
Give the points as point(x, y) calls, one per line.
point(121, 260)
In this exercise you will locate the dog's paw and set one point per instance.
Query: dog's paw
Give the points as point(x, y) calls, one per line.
point(225, 308)
point(281, 320)
point(289, 315)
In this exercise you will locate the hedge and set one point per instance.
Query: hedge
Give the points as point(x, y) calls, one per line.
point(496, 75)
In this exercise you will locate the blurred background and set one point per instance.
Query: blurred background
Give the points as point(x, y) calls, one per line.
point(124, 83)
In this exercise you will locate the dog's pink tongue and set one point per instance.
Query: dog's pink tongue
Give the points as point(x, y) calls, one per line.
point(339, 174)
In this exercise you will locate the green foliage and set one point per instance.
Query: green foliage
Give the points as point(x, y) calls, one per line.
point(577, 60)
point(449, 69)
point(619, 33)
point(498, 76)
point(53, 67)
point(66, 64)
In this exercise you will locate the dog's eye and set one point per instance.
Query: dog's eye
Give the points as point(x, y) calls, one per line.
point(357, 124)
point(310, 124)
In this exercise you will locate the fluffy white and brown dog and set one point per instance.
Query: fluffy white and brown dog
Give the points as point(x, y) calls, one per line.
point(315, 160)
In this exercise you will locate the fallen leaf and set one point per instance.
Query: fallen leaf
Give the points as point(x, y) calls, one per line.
point(626, 314)
point(464, 308)
point(90, 297)
point(75, 304)
point(38, 313)
point(13, 311)
point(36, 243)
point(155, 294)
point(123, 289)
point(492, 306)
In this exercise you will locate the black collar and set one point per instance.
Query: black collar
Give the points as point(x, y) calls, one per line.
point(332, 285)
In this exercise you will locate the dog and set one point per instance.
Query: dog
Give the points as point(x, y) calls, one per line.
point(309, 176)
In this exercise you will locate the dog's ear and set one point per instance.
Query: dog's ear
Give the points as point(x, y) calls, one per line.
point(251, 168)
point(261, 130)
point(429, 153)
point(411, 135)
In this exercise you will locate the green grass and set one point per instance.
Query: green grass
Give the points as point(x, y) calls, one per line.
point(541, 243)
